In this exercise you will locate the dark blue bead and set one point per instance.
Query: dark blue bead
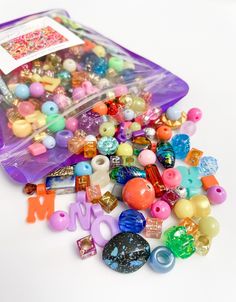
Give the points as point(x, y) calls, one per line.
point(89, 58)
point(181, 145)
point(131, 221)
point(128, 75)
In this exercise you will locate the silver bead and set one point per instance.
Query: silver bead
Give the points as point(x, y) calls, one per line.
point(181, 191)
point(150, 133)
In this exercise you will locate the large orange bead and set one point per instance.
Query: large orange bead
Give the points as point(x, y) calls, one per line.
point(100, 108)
point(138, 193)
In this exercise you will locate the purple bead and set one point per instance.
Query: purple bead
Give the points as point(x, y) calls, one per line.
point(62, 137)
point(59, 221)
point(36, 90)
point(138, 133)
point(81, 197)
point(121, 137)
point(216, 194)
point(80, 211)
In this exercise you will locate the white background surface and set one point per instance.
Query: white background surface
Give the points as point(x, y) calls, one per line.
point(195, 40)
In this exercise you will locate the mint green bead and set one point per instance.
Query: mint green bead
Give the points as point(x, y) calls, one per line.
point(59, 123)
point(107, 129)
point(116, 63)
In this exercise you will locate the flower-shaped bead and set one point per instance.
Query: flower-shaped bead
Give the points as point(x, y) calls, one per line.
point(190, 180)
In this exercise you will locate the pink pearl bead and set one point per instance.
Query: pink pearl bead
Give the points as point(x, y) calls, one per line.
point(147, 157)
point(78, 93)
point(188, 128)
point(62, 101)
point(36, 90)
point(171, 178)
point(72, 124)
point(59, 221)
point(25, 108)
point(160, 209)
point(216, 194)
point(120, 90)
point(194, 115)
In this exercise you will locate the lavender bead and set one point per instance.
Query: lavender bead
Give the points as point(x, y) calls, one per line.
point(62, 137)
point(138, 133)
point(216, 194)
point(59, 221)
point(121, 137)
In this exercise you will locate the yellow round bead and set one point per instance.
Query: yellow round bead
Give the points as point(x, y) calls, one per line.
point(138, 105)
point(209, 226)
point(107, 129)
point(21, 128)
point(183, 209)
point(99, 51)
point(124, 149)
point(135, 126)
point(201, 205)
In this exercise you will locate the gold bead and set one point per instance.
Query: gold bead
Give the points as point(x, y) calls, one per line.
point(174, 124)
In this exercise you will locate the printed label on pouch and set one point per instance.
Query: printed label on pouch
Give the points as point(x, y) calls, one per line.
point(32, 40)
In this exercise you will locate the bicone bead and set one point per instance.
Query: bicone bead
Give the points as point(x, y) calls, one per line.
point(194, 115)
point(160, 209)
point(216, 194)
point(171, 178)
point(131, 221)
point(161, 260)
point(100, 163)
point(83, 168)
point(147, 157)
point(59, 221)
point(209, 226)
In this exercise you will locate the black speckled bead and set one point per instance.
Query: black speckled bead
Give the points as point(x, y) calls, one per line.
point(126, 252)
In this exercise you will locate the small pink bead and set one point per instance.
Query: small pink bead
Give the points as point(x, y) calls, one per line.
point(25, 108)
point(62, 101)
point(171, 178)
point(188, 128)
point(147, 157)
point(37, 149)
point(59, 221)
point(72, 124)
point(120, 90)
point(194, 115)
point(78, 93)
point(36, 90)
point(160, 209)
point(216, 194)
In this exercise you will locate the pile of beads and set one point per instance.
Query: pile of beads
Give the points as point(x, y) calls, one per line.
point(139, 155)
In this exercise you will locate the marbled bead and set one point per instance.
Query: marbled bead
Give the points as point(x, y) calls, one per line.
point(107, 145)
point(131, 221)
point(166, 155)
point(181, 145)
point(123, 174)
point(208, 166)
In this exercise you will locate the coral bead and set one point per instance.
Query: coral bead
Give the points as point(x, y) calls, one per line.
point(201, 205)
point(25, 108)
point(124, 149)
point(160, 209)
point(100, 108)
point(59, 221)
point(138, 193)
point(216, 194)
point(164, 133)
point(147, 157)
point(194, 115)
point(184, 208)
point(209, 226)
point(171, 178)
point(72, 124)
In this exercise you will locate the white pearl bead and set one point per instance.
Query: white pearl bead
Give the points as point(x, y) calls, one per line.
point(69, 65)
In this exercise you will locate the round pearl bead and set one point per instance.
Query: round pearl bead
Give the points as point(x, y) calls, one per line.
point(209, 226)
point(216, 194)
point(128, 115)
point(147, 157)
point(107, 129)
point(124, 149)
point(171, 178)
point(49, 108)
point(36, 90)
point(49, 142)
point(194, 115)
point(183, 208)
point(59, 221)
point(173, 114)
point(72, 124)
point(22, 91)
point(25, 108)
point(201, 205)
point(83, 168)
point(162, 260)
point(160, 209)
point(69, 65)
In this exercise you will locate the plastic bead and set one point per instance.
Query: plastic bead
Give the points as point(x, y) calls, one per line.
point(163, 133)
point(147, 157)
point(171, 178)
point(208, 166)
point(100, 163)
point(138, 193)
point(117, 191)
point(59, 221)
point(128, 114)
point(62, 138)
point(90, 149)
point(107, 145)
point(62, 101)
point(131, 221)
point(22, 91)
point(202, 244)
point(76, 144)
point(153, 228)
point(135, 126)
point(83, 168)
point(190, 225)
point(184, 208)
point(154, 176)
point(36, 90)
point(171, 197)
point(72, 124)
point(161, 260)
point(123, 174)
point(209, 226)
point(108, 202)
point(21, 128)
point(209, 181)
point(49, 142)
point(116, 63)
point(90, 138)
point(216, 195)
point(55, 122)
point(194, 115)
point(173, 114)
point(201, 205)
point(190, 180)
point(189, 128)
point(107, 129)
point(138, 105)
point(78, 93)
point(37, 149)
point(93, 193)
point(25, 108)
point(100, 108)
point(193, 157)
point(124, 149)
point(181, 145)
point(99, 51)
point(166, 155)
point(86, 247)
point(82, 182)
point(69, 65)
point(150, 133)
point(181, 191)
point(115, 161)
point(160, 209)
point(100, 178)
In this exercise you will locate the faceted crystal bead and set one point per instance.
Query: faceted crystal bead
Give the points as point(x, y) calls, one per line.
point(93, 193)
point(171, 197)
point(153, 228)
point(154, 176)
point(90, 149)
point(202, 244)
point(179, 241)
point(108, 202)
point(193, 157)
point(123, 174)
point(86, 247)
point(181, 145)
point(82, 182)
point(191, 226)
point(208, 166)
point(131, 221)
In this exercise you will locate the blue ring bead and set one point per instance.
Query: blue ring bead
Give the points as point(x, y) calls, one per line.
point(162, 260)
point(83, 168)
point(49, 108)
point(131, 221)
point(22, 91)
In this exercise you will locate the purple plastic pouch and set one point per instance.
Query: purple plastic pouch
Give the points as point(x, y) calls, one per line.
point(130, 73)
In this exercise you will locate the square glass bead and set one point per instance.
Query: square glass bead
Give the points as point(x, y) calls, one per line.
point(86, 247)
point(93, 193)
point(90, 149)
point(108, 202)
point(76, 144)
point(190, 225)
point(82, 182)
point(193, 157)
point(153, 228)
point(115, 161)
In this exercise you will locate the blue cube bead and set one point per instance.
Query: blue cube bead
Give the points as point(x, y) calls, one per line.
point(131, 221)
point(181, 145)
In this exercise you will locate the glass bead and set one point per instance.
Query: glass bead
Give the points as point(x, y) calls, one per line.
point(189, 128)
point(154, 176)
point(162, 260)
point(131, 221)
point(82, 182)
point(153, 228)
point(202, 244)
point(76, 144)
point(129, 161)
point(107, 145)
point(208, 166)
point(181, 145)
point(29, 189)
point(190, 225)
point(171, 197)
point(101, 178)
point(108, 202)
point(193, 157)
point(165, 155)
point(123, 174)
point(117, 191)
point(90, 149)
point(93, 193)
point(86, 247)
point(100, 67)
point(179, 241)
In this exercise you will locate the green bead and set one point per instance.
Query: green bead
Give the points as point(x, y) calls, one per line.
point(116, 63)
point(107, 129)
point(179, 241)
point(59, 123)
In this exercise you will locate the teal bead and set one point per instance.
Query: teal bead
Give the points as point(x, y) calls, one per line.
point(49, 108)
point(123, 174)
point(65, 77)
point(58, 124)
point(166, 155)
point(190, 180)
point(116, 63)
point(107, 145)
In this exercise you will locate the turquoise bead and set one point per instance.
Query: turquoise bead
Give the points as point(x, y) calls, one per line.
point(49, 108)
point(190, 180)
point(107, 145)
point(22, 91)
point(181, 145)
point(83, 168)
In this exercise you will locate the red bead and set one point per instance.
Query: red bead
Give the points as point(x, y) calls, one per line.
point(154, 176)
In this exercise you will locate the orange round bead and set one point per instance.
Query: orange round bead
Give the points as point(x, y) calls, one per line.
point(164, 133)
point(138, 193)
point(100, 108)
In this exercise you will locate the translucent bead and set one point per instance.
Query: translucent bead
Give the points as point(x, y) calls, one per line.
point(76, 144)
point(138, 105)
point(86, 247)
point(202, 244)
point(191, 226)
point(131, 221)
point(154, 176)
point(184, 208)
point(153, 228)
point(82, 182)
point(188, 128)
point(171, 197)
point(123, 174)
point(93, 193)
point(193, 157)
point(116, 63)
point(100, 178)
point(209, 226)
point(100, 67)
point(90, 149)
point(181, 145)
point(208, 166)
point(108, 202)
point(107, 145)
